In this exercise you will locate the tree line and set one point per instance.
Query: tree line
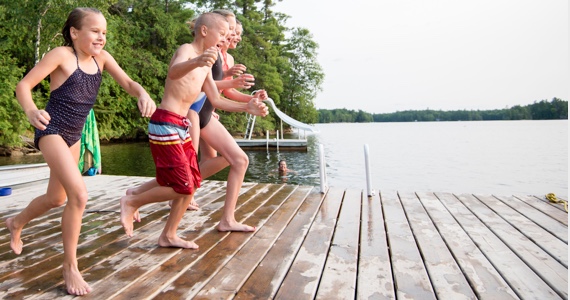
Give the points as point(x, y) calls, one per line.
point(142, 36)
point(539, 110)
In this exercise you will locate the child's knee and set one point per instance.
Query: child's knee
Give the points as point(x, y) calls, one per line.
point(241, 161)
point(56, 201)
point(79, 200)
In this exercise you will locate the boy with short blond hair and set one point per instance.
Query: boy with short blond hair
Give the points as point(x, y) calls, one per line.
point(177, 172)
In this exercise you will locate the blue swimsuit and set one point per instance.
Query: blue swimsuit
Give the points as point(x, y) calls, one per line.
point(69, 105)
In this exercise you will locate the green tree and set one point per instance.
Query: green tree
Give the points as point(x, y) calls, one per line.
point(303, 76)
point(13, 121)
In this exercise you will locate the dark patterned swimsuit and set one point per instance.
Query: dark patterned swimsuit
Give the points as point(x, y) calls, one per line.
point(206, 112)
point(69, 105)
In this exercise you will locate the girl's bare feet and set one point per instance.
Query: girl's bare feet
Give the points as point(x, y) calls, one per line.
point(15, 240)
point(236, 227)
point(176, 242)
point(74, 282)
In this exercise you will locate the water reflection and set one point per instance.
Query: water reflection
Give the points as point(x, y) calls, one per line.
point(505, 158)
point(134, 159)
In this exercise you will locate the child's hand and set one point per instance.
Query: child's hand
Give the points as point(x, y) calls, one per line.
point(208, 58)
point(244, 81)
point(257, 108)
point(261, 94)
point(38, 118)
point(236, 70)
point(146, 105)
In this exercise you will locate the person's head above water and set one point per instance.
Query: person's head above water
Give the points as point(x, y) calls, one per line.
point(282, 165)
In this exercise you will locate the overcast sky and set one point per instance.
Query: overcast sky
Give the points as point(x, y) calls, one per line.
point(391, 55)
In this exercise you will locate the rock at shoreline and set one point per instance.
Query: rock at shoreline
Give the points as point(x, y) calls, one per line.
point(27, 149)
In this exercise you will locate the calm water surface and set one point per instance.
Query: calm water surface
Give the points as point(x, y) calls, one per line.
point(502, 157)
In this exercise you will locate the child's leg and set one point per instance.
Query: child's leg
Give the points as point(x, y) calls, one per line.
point(131, 203)
point(219, 138)
point(143, 187)
point(54, 197)
point(209, 167)
point(194, 130)
point(169, 238)
point(63, 165)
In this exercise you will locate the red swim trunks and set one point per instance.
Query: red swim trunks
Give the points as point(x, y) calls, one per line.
point(174, 156)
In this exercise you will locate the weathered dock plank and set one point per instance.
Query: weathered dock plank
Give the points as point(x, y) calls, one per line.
point(523, 280)
point(552, 272)
point(303, 278)
point(274, 266)
point(484, 279)
point(411, 278)
point(337, 245)
point(226, 283)
point(167, 262)
point(192, 280)
point(445, 275)
point(374, 267)
point(544, 239)
point(544, 214)
point(339, 274)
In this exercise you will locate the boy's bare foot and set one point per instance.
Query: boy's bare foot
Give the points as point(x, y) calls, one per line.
point(192, 206)
point(15, 240)
point(127, 213)
point(236, 227)
point(176, 242)
point(74, 282)
point(136, 215)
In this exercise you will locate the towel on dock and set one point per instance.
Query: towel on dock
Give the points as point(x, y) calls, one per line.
point(90, 152)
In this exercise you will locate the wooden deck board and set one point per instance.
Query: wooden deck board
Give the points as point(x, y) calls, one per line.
point(410, 275)
point(191, 280)
point(337, 245)
point(486, 281)
point(544, 239)
point(545, 266)
point(304, 275)
point(339, 274)
point(445, 275)
point(276, 263)
point(167, 261)
point(523, 280)
point(374, 267)
point(544, 214)
point(231, 278)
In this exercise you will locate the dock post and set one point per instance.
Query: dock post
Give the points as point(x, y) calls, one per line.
point(369, 190)
point(322, 169)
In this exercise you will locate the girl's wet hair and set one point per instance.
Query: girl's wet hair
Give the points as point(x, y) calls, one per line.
point(191, 25)
point(75, 20)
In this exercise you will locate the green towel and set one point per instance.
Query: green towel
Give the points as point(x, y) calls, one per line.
point(90, 152)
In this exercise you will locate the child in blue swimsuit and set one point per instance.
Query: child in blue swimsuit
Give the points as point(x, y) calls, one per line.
point(75, 75)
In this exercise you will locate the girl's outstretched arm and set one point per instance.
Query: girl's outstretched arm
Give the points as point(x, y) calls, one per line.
point(145, 103)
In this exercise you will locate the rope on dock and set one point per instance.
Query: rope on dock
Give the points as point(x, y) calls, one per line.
point(553, 199)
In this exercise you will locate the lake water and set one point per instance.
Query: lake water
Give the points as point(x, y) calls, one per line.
point(490, 157)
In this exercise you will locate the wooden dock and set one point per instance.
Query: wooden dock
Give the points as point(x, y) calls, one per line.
point(273, 144)
point(337, 245)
